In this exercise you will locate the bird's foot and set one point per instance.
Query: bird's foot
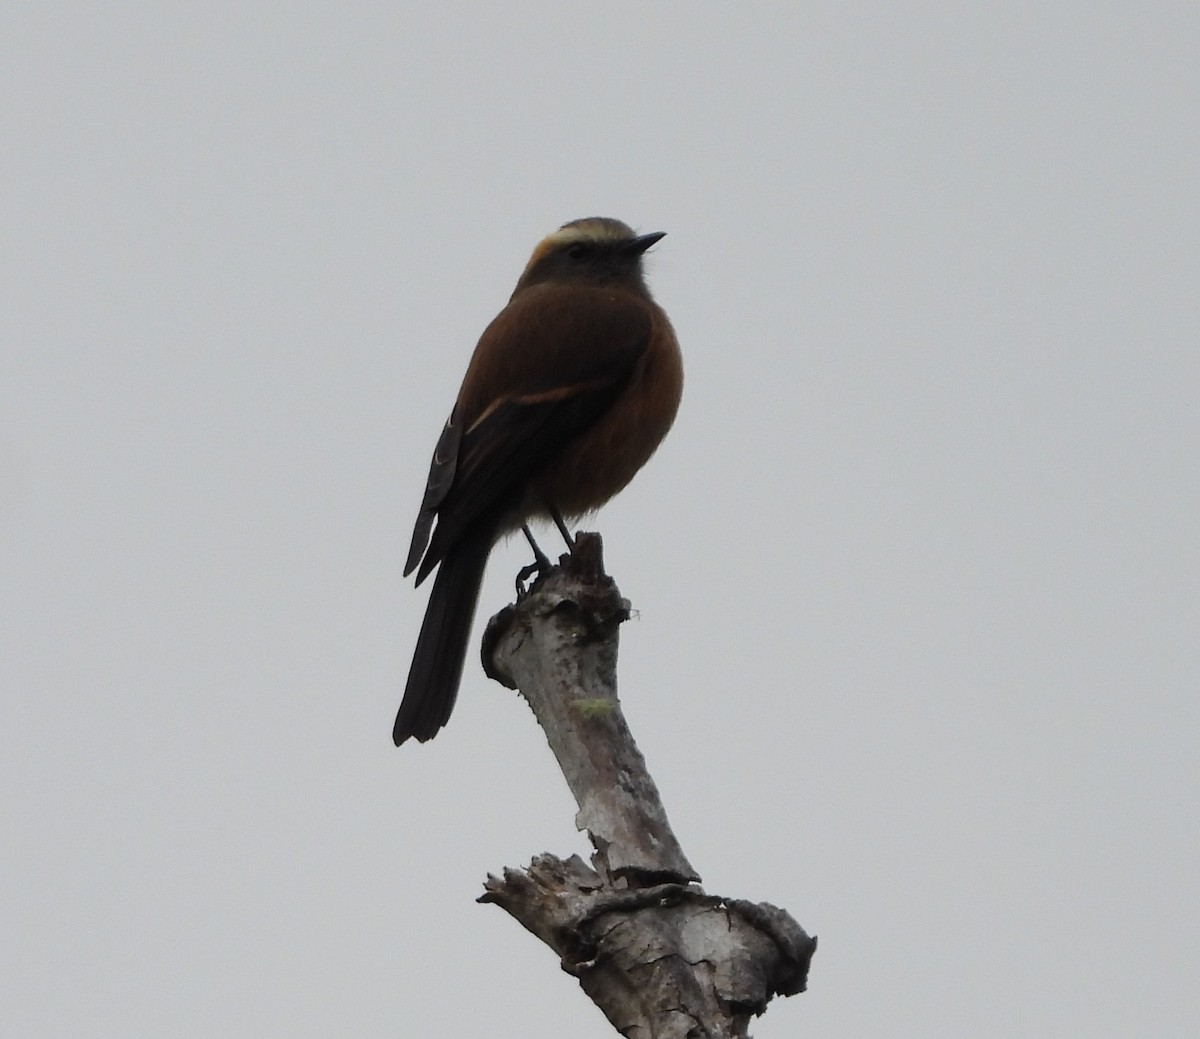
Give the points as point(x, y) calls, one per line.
point(540, 565)
point(527, 572)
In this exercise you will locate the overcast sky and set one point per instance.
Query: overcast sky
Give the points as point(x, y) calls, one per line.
point(917, 572)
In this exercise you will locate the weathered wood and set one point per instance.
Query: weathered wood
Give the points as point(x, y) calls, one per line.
point(659, 956)
point(558, 646)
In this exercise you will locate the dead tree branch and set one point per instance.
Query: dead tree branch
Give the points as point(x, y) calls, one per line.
point(660, 958)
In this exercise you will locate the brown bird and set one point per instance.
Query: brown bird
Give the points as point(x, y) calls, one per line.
point(569, 392)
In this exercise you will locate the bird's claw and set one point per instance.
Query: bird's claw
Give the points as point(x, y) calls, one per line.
point(540, 565)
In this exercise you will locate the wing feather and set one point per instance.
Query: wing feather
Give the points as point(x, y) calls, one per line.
point(549, 365)
point(441, 475)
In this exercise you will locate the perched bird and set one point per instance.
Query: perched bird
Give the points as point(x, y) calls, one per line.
point(569, 392)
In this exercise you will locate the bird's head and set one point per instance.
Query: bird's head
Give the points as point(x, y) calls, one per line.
point(595, 250)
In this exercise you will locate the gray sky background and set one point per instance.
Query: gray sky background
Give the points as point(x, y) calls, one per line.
point(916, 572)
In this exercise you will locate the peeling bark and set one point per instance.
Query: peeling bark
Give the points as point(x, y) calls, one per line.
point(659, 956)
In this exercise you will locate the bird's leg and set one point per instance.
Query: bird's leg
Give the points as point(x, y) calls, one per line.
point(540, 562)
point(539, 565)
point(562, 526)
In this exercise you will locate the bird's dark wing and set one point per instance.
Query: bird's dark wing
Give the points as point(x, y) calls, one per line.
point(441, 476)
point(544, 371)
point(513, 442)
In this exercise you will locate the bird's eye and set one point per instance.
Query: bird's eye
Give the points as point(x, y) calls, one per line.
point(577, 250)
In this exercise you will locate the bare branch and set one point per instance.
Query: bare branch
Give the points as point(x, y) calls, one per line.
point(659, 956)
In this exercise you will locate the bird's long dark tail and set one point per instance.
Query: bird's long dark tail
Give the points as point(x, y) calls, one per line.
point(442, 645)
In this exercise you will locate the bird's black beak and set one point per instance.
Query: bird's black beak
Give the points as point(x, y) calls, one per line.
point(637, 246)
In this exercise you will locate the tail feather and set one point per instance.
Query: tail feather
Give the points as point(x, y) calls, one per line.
point(442, 645)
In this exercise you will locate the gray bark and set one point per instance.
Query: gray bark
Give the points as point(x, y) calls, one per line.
point(659, 956)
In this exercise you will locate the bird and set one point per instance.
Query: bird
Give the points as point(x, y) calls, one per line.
point(570, 390)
